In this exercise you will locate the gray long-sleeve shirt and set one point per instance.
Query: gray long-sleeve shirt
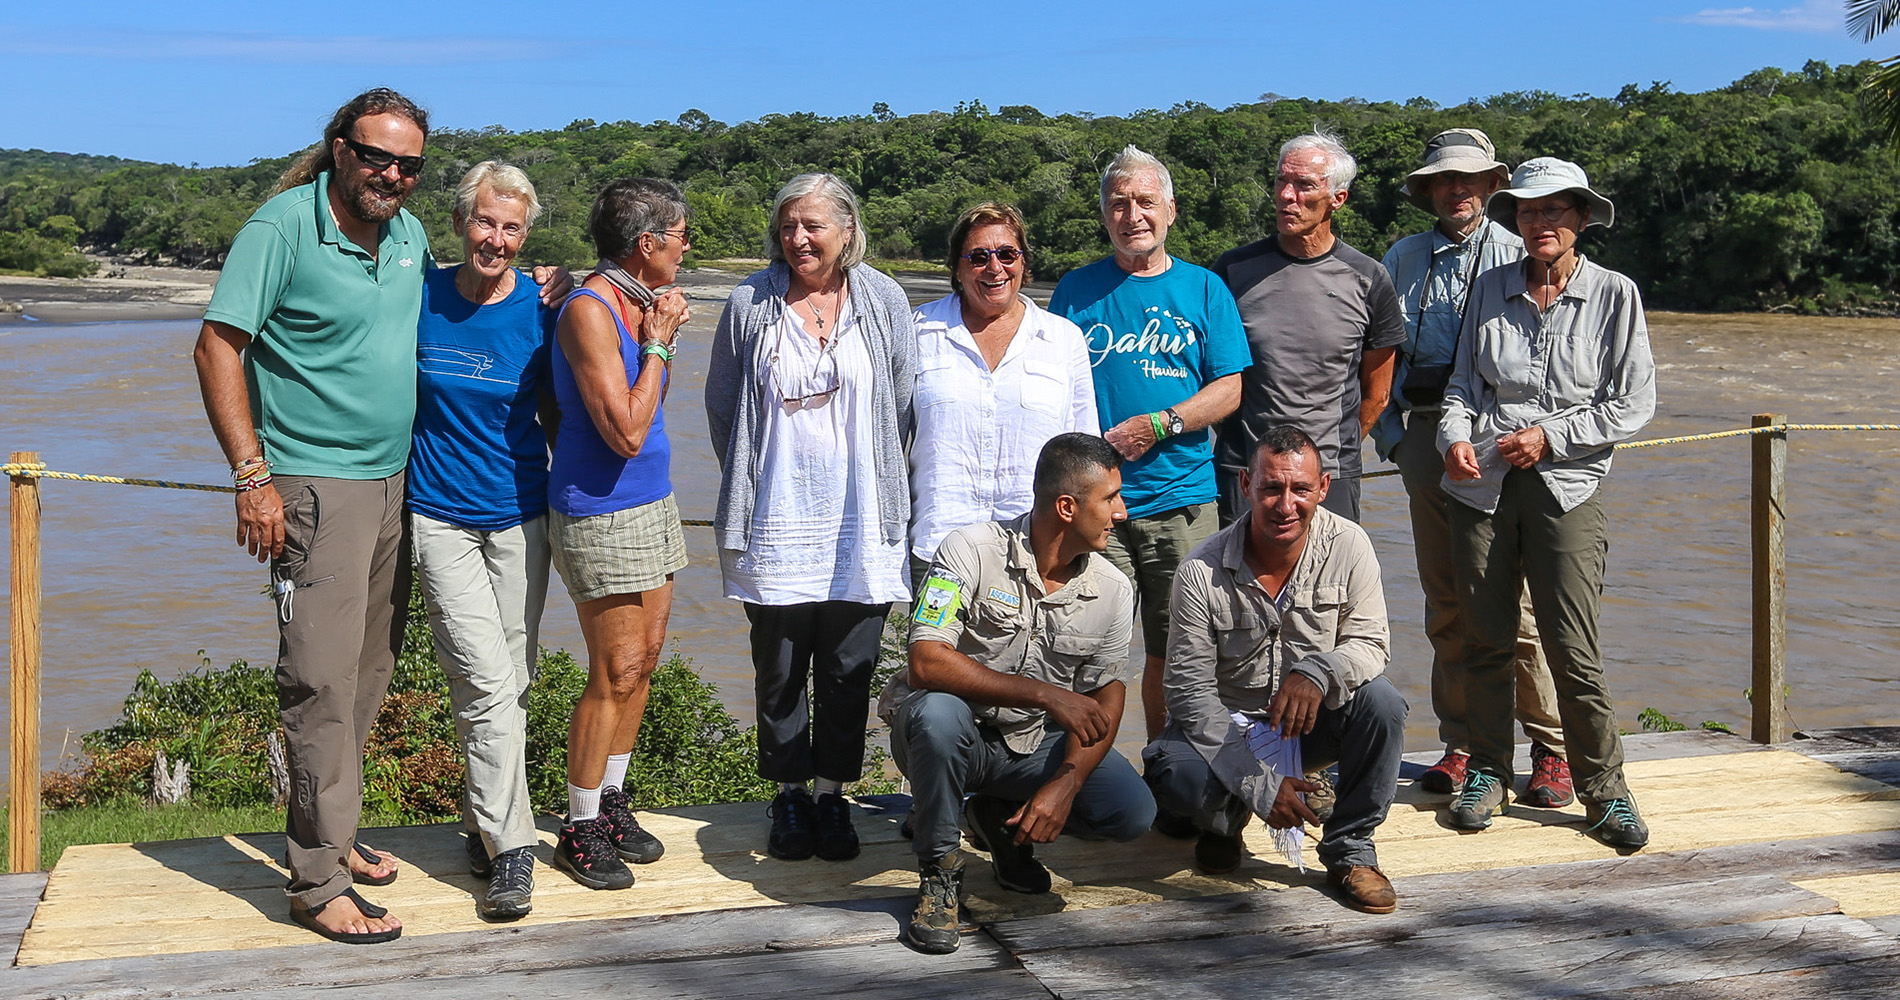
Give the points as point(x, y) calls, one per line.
point(1581, 370)
point(1230, 645)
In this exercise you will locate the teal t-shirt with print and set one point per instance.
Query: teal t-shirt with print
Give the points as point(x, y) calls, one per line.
point(331, 365)
point(1153, 342)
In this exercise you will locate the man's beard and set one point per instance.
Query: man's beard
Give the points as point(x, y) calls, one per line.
point(368, 202)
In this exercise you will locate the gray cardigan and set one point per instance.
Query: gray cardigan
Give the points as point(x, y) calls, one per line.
point(734, 417)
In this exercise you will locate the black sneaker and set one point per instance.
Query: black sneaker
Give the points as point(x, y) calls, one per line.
point(837, 838)
point(933, 925)
point(1616, 822)
point(793, 838)
point(586, 852)
point(478, 863)
point(1215, 854)
point(632, 843)
point(1016, 866)
point(510, 886)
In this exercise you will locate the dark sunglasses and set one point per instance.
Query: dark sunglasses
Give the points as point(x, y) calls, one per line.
point(378, 160)
point(1005, 255)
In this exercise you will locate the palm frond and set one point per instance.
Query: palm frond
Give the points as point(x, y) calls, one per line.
point(1880, 96)
point(1871, 18)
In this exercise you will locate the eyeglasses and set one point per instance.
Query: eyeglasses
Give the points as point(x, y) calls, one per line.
point(1549, 213)
point(378, 160)
point(684, 233)
point(1005, 255)
point(801, 390)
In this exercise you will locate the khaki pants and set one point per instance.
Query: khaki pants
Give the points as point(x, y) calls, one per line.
point(339, 629)
point(1148, 549)
point(1423, 468)
point(486, 590)
point(1561, 555)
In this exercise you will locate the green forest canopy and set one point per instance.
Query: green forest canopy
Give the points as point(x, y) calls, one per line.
point(1774, 191)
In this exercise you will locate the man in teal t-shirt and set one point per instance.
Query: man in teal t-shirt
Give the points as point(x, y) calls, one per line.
point(307, 361)
point(1167, 347)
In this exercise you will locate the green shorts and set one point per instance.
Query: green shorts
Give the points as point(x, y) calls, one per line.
point(1148, 549)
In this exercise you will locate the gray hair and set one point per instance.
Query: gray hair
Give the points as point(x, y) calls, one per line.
point(844, 212)
point(630, 208)
point(1130, 162)
point(1341, 168)
point(505, 180)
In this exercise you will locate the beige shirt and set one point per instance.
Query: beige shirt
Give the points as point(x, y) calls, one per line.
point(985, 598)
point(1230, 644)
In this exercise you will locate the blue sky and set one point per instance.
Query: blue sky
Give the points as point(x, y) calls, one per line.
point(218, 83)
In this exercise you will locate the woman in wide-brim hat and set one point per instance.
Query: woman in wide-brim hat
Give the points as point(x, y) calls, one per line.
point(1553, 370)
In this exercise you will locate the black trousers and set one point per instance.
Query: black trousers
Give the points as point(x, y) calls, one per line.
point(834, 645)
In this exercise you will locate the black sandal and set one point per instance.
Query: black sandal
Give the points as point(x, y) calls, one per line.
point(308, 918)
point(373, 858)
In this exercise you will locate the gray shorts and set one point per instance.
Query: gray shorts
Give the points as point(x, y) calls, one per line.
point(622, 552)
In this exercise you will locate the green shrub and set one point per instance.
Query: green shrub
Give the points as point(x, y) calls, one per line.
point(691, 750)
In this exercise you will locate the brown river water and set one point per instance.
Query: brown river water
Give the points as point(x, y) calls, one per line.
point(146, 578)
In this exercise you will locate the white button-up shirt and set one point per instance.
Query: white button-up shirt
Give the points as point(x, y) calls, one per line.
point(980, 431)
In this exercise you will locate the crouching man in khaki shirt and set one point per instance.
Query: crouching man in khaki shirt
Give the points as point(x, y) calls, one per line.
point(1018, 665)
point(1280, 619)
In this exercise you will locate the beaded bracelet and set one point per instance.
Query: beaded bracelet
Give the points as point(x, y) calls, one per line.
point(250, 474)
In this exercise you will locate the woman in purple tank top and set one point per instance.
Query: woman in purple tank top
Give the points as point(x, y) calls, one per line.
point(613, 526)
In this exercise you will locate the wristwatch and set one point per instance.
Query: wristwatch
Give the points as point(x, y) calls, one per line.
point(1175, 426)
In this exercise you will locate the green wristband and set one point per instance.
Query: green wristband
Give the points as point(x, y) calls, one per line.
point(1161, 430)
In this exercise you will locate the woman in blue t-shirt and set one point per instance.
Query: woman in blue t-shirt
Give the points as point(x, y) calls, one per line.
point(478, 474)
point(614, 528)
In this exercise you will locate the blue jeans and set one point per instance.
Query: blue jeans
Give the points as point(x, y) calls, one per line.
point(946, 754)
point(1365, 737)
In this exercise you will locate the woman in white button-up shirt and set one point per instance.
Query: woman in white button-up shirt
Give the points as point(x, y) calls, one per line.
point(997, 377)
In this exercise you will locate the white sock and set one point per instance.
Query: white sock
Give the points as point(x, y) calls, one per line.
point(791, 786)
point(827, 786)
point(582, 803)
point(616, 776)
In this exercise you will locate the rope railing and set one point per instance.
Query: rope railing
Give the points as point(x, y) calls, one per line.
point(24, 469)
point(38, 470)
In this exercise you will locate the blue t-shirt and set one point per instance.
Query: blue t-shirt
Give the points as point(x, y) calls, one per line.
point(1153, 342)
point(588, 477)
point(479, 457)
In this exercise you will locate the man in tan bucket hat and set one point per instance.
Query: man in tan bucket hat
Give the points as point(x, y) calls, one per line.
point(1432, 272)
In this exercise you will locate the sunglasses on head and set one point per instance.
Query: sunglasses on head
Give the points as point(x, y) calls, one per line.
point(1005, 255)
point(378, 160)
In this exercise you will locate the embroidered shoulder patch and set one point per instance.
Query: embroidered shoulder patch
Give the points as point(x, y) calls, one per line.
point(940, 599)
point(1000, 595)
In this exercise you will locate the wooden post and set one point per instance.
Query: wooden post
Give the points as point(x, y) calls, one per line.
point(1769, 516)
point(23, 811)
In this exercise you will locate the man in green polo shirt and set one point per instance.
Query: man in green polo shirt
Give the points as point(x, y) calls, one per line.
point(307, 365)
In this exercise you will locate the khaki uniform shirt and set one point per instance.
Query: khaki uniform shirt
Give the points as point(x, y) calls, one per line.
point(1230, 645)
point(984, 597)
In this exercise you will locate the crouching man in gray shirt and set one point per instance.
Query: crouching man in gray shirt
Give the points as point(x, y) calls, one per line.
point(1279, 619)
point(1018, 667)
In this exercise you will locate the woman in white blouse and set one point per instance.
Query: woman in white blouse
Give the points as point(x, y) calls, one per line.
point(997, 377)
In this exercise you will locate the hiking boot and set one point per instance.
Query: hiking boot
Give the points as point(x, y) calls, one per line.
point(1322, 799)
point(510, 886)
point(630, 842)
point(585, 851)
point(1217, 854)
point(837, 837)
point(478, 863)
point(1365, 887)
point(1016, 866)
point(1448, 775)
point(793, 838)
point(1168, 824)
point(1550, 785)
point(933, 925)
point(1616, 823)
point(1482, 797)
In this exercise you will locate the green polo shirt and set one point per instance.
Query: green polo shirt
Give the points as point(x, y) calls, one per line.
point(331, 365)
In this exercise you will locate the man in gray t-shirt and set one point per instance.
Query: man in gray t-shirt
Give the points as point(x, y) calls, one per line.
point(1323, 323)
